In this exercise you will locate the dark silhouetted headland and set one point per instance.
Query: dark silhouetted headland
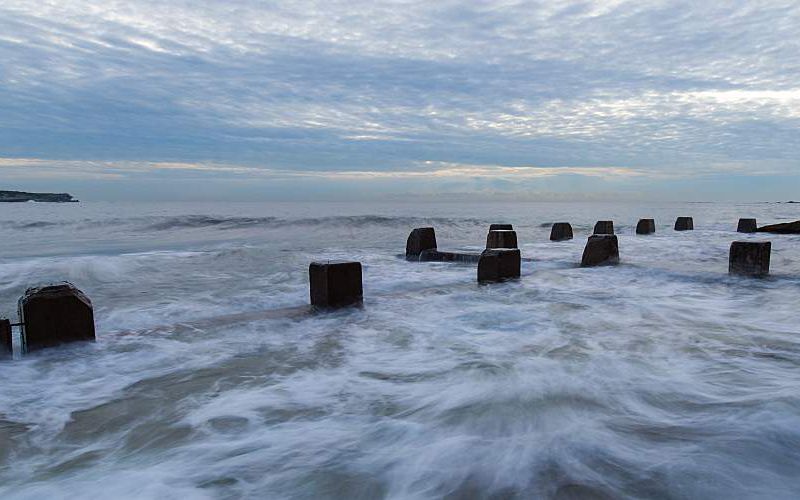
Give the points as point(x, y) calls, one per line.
point(20, 196)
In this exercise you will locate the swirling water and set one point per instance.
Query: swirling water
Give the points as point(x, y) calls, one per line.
point(662, 377)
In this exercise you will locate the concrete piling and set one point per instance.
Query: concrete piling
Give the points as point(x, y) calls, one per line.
point(335, 283)
point(646, 226)
point(601, 249)
point(501, 227)
point(501, 239)
point(6, 348)
point(561, 231)
point(749, 258)
point(604, 227)
point(53, 315)
point(498, 264)
point(420, 239)
point(684, 224)
point(746, 226)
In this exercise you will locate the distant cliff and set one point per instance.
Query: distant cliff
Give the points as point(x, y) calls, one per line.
point(18, 196)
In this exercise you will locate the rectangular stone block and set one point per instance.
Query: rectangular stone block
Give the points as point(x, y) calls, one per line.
point(604, 227)
point(501, 239)
point(684, 224)
point(499, 264)
point(53, 315)
point(437, 256)
point(501, 227)
point(601, 249)
point(420, 239)
point(335, 283)
point(6, 348)
point(646, 226)
point(561, 231)
point(747, 226)
point(749, 258)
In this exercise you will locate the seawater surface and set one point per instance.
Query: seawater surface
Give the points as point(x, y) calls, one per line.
point(662, 377)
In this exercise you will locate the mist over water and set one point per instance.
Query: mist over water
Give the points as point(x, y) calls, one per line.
point(662, 377)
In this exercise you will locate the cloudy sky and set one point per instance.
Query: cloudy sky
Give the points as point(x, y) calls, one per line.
point(405, 99)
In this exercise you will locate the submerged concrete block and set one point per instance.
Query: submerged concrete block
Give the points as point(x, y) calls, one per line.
point(746, 226)
point(499, 264)
point(5, 338)
point(335, 283)
point(601, 249)
point(646, 226)
point(53, 315)
point(501, 239)
point(501, 227)
point(561, 231)
point(420, 239)
point(604, 227)
point(684, 224)
point(749, 258)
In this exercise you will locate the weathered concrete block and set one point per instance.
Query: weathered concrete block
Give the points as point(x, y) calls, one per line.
point(749, 258)
point(601, 249)
point(5, 338)
point(498, 264)
point(646, 226)
point(501, 239)
point(420, 239)
point(53, 315)
point(501, 227)
point(684, 224)
point(335, 283)
point(747, 226)
point(561, 231)
point(437, 256)
point(604, 227)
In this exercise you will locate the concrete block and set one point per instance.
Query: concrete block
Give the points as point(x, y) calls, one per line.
point(5, 338)
point(604, 227)
point(601, 249)
point(335, 283)
point(501, 227)
point(747, 226)
point(420, 239)
point(684, 224)
point(749, 258)
point(499, 264)
point(53, 315)
point(646, 226)
point(561, 231)
point(501, 239)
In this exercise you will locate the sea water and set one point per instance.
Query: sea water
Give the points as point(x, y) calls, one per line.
point(663, 377)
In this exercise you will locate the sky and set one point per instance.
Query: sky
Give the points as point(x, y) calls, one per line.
point(404, 100)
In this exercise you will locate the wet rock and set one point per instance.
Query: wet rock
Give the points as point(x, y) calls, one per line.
point(749, 258)
point(747, 226)
point(501, 239)
point(5, 338)
point(500, 227)
point(684, 224)
point(420, 239)
point(646, 226)
point(601, 249)
point(498, 264)
point(783, 228)
point(53, 315)
point(335, 283)
point(604, 227)
point(561, 231)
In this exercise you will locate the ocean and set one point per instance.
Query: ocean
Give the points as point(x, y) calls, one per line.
point(662, 377)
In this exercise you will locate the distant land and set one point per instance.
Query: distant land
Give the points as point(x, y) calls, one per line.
point(20, 196)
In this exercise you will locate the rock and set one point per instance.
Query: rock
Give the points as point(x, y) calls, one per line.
point(21, 196)
point(604, 227)
point(783, 228)
point(601, 249)
point(561, 231)
point(6, 348)
point(335, 283)
point(498, 264)
point(53, 315)
point(749, 258)
point(646, 226)
point(420, 239)
point(500, 227)
point(684, 224)
point(747, 226)
point(501, 239)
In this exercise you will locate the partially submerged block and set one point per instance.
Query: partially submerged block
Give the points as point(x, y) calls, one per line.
point(420, 239)
point(498, 264)
point(561, 231)
point(601, 249)
point(684, 224)
point(501, 239)
point(53, 315)
point(604, 227)
point(437, 256)
point(5, 338)
point(747, 226)
point(749, 258)
point(500, 227)
point(335, 283)
point(646, 226)
point(782, 228)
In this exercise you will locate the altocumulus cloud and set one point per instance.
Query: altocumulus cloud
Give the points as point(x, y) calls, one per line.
point(245, 99)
